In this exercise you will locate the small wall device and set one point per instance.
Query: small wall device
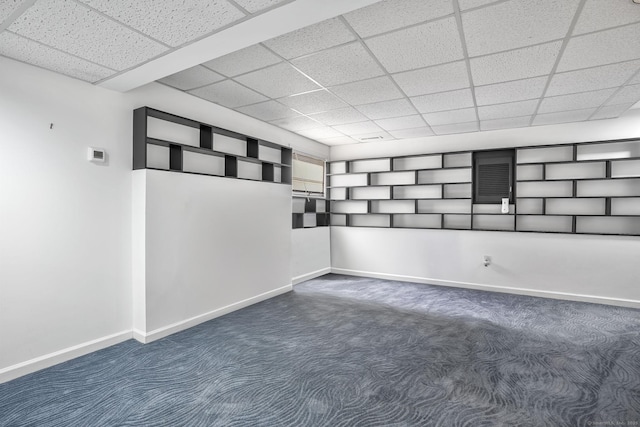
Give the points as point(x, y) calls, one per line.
point(96, 155)
point(505, 205)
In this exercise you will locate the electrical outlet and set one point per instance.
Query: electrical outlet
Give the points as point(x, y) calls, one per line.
point(487, 260)
point(505, 205)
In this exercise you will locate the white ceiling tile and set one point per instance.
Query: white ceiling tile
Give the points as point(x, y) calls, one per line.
point(511, 109)
point(192, 78)
point(515, 24)
point(311, 39)
point(25, 50)
point(575, 101)
point(270, 110)
point(339, 117)
point(368, 91)
point(455, 128)
point(518, 90)
point(373, 137)
point(76, 29)
point(399, 123)
point(469, 4)
point(515, 65)
point(254, 6)
point(599, 14)
point(7, 7)
point(412, 133)
point(228, 93)
point(339, 65)
point(277, 81)
point(243, 61)
point(387, 109)
point(297, 123)
point(449, 117)
point(171, 22)
point(563, 117)
point(417, 47)
point(314, 102)
point(443, 101)
point(510, 123)
point(601, 48)
point(611, 111)
point(628, 94)
point(320, 133)
point(390, 15)
point(434, 79)
point(358, 128)
point(338, 140)
point(635, 80)
point(592, 78)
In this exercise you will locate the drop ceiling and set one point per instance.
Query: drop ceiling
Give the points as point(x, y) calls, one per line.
point(349, 72)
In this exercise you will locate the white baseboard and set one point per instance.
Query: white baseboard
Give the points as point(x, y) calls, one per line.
point(147, 337)
point(12, 372)
point(312, 275)
point(492, 288)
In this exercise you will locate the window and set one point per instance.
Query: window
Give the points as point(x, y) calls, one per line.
point(493, 176)
point(308, 175)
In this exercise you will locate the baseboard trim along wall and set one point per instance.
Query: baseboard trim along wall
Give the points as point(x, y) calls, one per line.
point(312, 275)
point(492, 288)
point(12, 372)
point(147, 337)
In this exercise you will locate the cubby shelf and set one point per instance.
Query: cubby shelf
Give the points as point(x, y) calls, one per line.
point(309, 212)
point(581, 188)
point(164, 141)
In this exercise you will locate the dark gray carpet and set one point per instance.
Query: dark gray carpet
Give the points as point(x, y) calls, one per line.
point(345, 351)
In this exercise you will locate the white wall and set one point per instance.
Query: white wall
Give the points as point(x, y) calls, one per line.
point(310, 253)
point(581, 267)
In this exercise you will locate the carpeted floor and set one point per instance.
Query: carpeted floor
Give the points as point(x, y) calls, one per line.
point(346, 351)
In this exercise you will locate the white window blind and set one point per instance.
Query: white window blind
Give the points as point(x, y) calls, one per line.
point(307, 174)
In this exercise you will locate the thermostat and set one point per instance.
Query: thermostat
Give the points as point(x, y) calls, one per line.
point(98, 155)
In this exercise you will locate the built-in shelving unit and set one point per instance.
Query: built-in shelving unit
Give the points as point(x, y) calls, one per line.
point(168, 142)
point(310, 212)
point(586, 188)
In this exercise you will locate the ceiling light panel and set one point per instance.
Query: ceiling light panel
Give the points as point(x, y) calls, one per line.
point(563, 117)
point(417, 47)
point(253, 6)
point(515, 24)
point(368, 91)
point(575, 102)
point(311, 39)
point(470, 4)
point(72, 28)
point(456, 128)
point(412, 133)
point(512, 109)
point(228, 93)
point(627, 94)
point(453, 100)
point(358, 128)
point(338, 140)
point(375, 136)
point(314, 102)
point(611, 111)
point(338, 65)
point(387, 109)
point(390, 15)
point(31, 52)
point(464, 115)
point(243, 61)
point(297, 123)
point(515, 65)
point(278, 81)
point(170, 22)
point(598, 15)
point(267, 111)
point(318, 133)
point(510, 123)
point(339, 117)
point(518, 90)
point(440, 78)
point(603, 77)
point(192, 78)
point(399, 123)
point(601, 48)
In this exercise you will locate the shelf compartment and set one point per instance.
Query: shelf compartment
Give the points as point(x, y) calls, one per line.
point(625, 206)
point(338, 219)
point(609, 188)
point(249, 170)
point(269, 154)
point(457, 160)
point(393, 178)
point(608, 225)
point(625, 168)
point(575, 206)
point(298, 205)
point(349, 180)
point(174, 132)
point(585, 170)
point(229, 145)
point(417, 162)
point(350, 206)
point(608, 150)
point(338, 193)
point(417, 221)
point(157, 157)
point(529, 172)
point(457, 191)
point(418, 192)
point(562, 153)
point(483, 208)
point(444, 206)
point(370, 193)
point(457, 222)
point(370, 221)
point(309, 220)
point(202, 163)
point(444, 176)
point(494, 222)
point(545, 223)
point(544, 189)
point(338, 167)
point(530, 206)
point(277, 174)
point(393, 206)
point(370, 165)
